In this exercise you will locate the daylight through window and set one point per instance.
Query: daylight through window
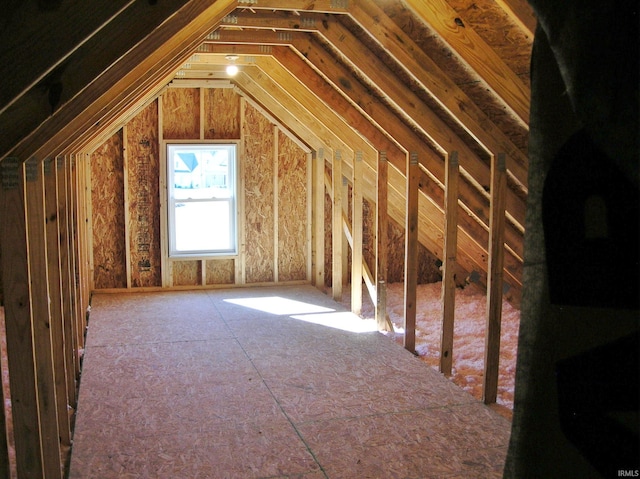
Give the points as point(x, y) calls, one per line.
point(202, 199)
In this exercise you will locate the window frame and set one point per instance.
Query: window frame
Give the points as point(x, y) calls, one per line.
point(171, 201)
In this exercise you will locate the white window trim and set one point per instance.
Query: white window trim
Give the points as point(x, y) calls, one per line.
point(235, 227)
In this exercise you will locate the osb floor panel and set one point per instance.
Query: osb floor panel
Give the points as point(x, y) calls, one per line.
point(191, 385)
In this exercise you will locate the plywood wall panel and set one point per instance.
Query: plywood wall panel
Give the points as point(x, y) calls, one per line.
point(220, 271)
point(186, 273)
point(221, 114)
point(181, 114)
point(107, 206)
point(258, 196)
point(292, 210)
point(143, 165)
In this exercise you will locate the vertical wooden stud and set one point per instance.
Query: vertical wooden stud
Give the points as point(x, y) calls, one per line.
point(449, 260)
point(240, 263)
point(357, 228)
point(65, 280)
point(318, 218)
point(18, 317)
point(127, 214)
point(276, 152)
point(41, 318)
point(336, 227)
point(494, 278)
point(78, 314)
point(310, 192)
point(382, 240)
point(164, 228)
point(411, 252)
point(5, 464)
point(346, 234)
point(56, 307)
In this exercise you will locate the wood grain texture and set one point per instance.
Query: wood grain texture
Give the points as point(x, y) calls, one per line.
point(221, 114)
point(144, 198)
point(107, 200)
point(220, 271)
point(186, 273)
point(18, 320)
point(181, 110)
point(292, 210)
point(258, 196)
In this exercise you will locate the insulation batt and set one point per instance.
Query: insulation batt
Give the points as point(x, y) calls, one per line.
point(469, 334)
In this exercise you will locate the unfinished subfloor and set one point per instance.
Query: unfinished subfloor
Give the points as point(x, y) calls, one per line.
point(254, 383)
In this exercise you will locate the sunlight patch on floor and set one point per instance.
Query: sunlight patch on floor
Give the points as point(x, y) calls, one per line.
point(308, 312)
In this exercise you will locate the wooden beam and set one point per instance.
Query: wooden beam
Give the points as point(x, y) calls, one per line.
point(5, 463)
point(358, 226)
point(411, 253)
point(66, 279)
point(129, 77)
point(84, 63)
point(275, 202)
point(449, 261)
point(48, 49)
point(467, 244)
point(41, 318)
point(336, 226)
point(521, 12)
point(494, 280)
point(19, 319)
point(382, 241)
point(437, 83)
point(319, 6)
point(463, 40)
point(318, 219)
point(62, 377)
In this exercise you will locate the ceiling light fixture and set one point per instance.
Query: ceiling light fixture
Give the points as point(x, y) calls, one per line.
point(232, 69)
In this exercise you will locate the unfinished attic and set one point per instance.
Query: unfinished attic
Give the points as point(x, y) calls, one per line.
point(229, 227)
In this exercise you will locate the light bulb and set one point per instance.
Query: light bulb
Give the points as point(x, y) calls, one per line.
point(232, 70)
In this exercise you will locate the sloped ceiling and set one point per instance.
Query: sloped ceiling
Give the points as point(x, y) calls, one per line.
point(429, 77)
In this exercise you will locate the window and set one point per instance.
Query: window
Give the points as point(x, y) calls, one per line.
point(202, 199)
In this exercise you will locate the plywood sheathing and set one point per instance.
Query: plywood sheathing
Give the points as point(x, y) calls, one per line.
point(220, 271)
point(292, 210)
point(108, 219)
point(266, 395)
point(187, 273)
point(221, 114)
point(143, 166)
point(181, 114)
point(515, 46)
point(258, 168)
